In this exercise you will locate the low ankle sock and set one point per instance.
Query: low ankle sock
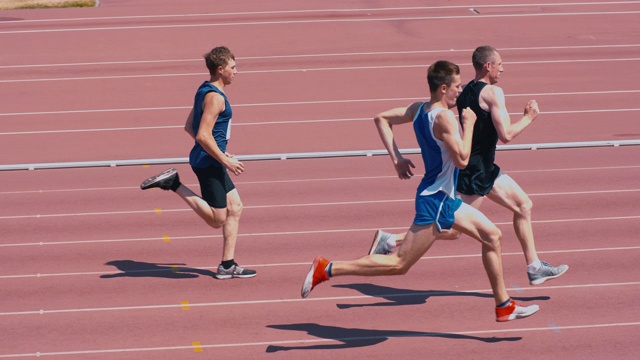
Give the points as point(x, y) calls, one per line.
point(504, 304)
point(391, 242)
point(328, 269)
point(227, 264)
point(534, 266)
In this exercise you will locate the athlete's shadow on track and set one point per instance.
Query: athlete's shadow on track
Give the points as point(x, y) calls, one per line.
point(352, 338)
point(131, 268)
point(398, 297)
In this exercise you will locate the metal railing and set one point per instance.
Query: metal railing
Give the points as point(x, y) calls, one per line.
point(304, 155)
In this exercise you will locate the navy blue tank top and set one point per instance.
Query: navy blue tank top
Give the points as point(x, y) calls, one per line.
point(198, 157)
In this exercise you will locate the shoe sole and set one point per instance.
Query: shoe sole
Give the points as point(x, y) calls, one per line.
point(226, 277)
point(147, 184)
point(541, 280)
point(308, 281)
point(376, 240)
point(516, 316)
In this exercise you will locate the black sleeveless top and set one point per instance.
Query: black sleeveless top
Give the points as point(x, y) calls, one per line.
point(481, 172)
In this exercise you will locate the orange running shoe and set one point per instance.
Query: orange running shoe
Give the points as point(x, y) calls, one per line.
point(514, 311)
point(316, 275)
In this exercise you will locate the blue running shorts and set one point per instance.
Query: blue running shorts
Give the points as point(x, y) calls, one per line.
point(436, 208)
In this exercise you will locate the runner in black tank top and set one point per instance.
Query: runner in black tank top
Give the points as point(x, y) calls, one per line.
point(481, 172)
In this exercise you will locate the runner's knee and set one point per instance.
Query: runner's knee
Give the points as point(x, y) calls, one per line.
point(493, 237)
point(525, 208)
point(234, 209)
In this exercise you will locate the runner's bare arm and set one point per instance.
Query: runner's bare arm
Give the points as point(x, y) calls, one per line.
point(384, 123)
point(446, 129)
point(212, 106)
point(507, 131)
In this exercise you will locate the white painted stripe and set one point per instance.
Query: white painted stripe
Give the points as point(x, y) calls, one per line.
point(577, 169)
point(164, 108)
point(283, 122)
point(315, 102)
point(302, 56)
point(323, 340)
point(294, 300)
point(72, 131)
point(375, 177)
point(302, 70)
point(288, 233)
point(480, 17)
point(271, 206)
point(315, 11)
point(208, 237)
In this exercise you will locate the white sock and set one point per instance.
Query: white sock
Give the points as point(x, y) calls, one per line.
point(534, 266)
point(391, 242)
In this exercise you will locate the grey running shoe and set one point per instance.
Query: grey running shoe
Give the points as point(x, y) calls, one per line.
point(546, 272)
point(166, 180)
point(379, 245)
point(236, 271)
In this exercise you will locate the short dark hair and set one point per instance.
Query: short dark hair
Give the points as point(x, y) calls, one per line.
point(441, 72)
point(218, 56)
point(482, 55)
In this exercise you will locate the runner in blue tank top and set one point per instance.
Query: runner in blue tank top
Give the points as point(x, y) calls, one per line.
point(209, 124)
point(482, 177)
point(436, 206)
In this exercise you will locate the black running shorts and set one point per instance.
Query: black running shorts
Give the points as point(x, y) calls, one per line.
point(215, 183)
point(477, 179)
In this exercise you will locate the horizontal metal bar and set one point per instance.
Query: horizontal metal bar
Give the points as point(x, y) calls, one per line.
point(305, 155)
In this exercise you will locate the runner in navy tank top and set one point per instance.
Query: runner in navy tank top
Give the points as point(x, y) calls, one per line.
point(209, 124)
point(198, 157)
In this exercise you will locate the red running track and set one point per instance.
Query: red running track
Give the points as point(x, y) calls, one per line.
point(94, 268)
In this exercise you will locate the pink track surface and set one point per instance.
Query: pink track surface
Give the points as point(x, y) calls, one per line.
point(94, 268)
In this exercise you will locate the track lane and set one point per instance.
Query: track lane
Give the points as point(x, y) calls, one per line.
point(591, 334)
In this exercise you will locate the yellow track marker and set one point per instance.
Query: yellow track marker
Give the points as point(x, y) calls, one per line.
point(145, 166)
point(197, 347)
point(158, 211)
point(185, 305)
point(166, 238)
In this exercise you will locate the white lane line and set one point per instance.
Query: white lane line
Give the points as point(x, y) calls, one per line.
point(392, 334)
point(439, 257)
point(312, 102)
point(271, 206)
point(285, 122)
point(288, 233)
point(302, 56)
point(480, 17)
point(303, 70)
point(315, 11)
point(356, 178)
point(295, 300)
